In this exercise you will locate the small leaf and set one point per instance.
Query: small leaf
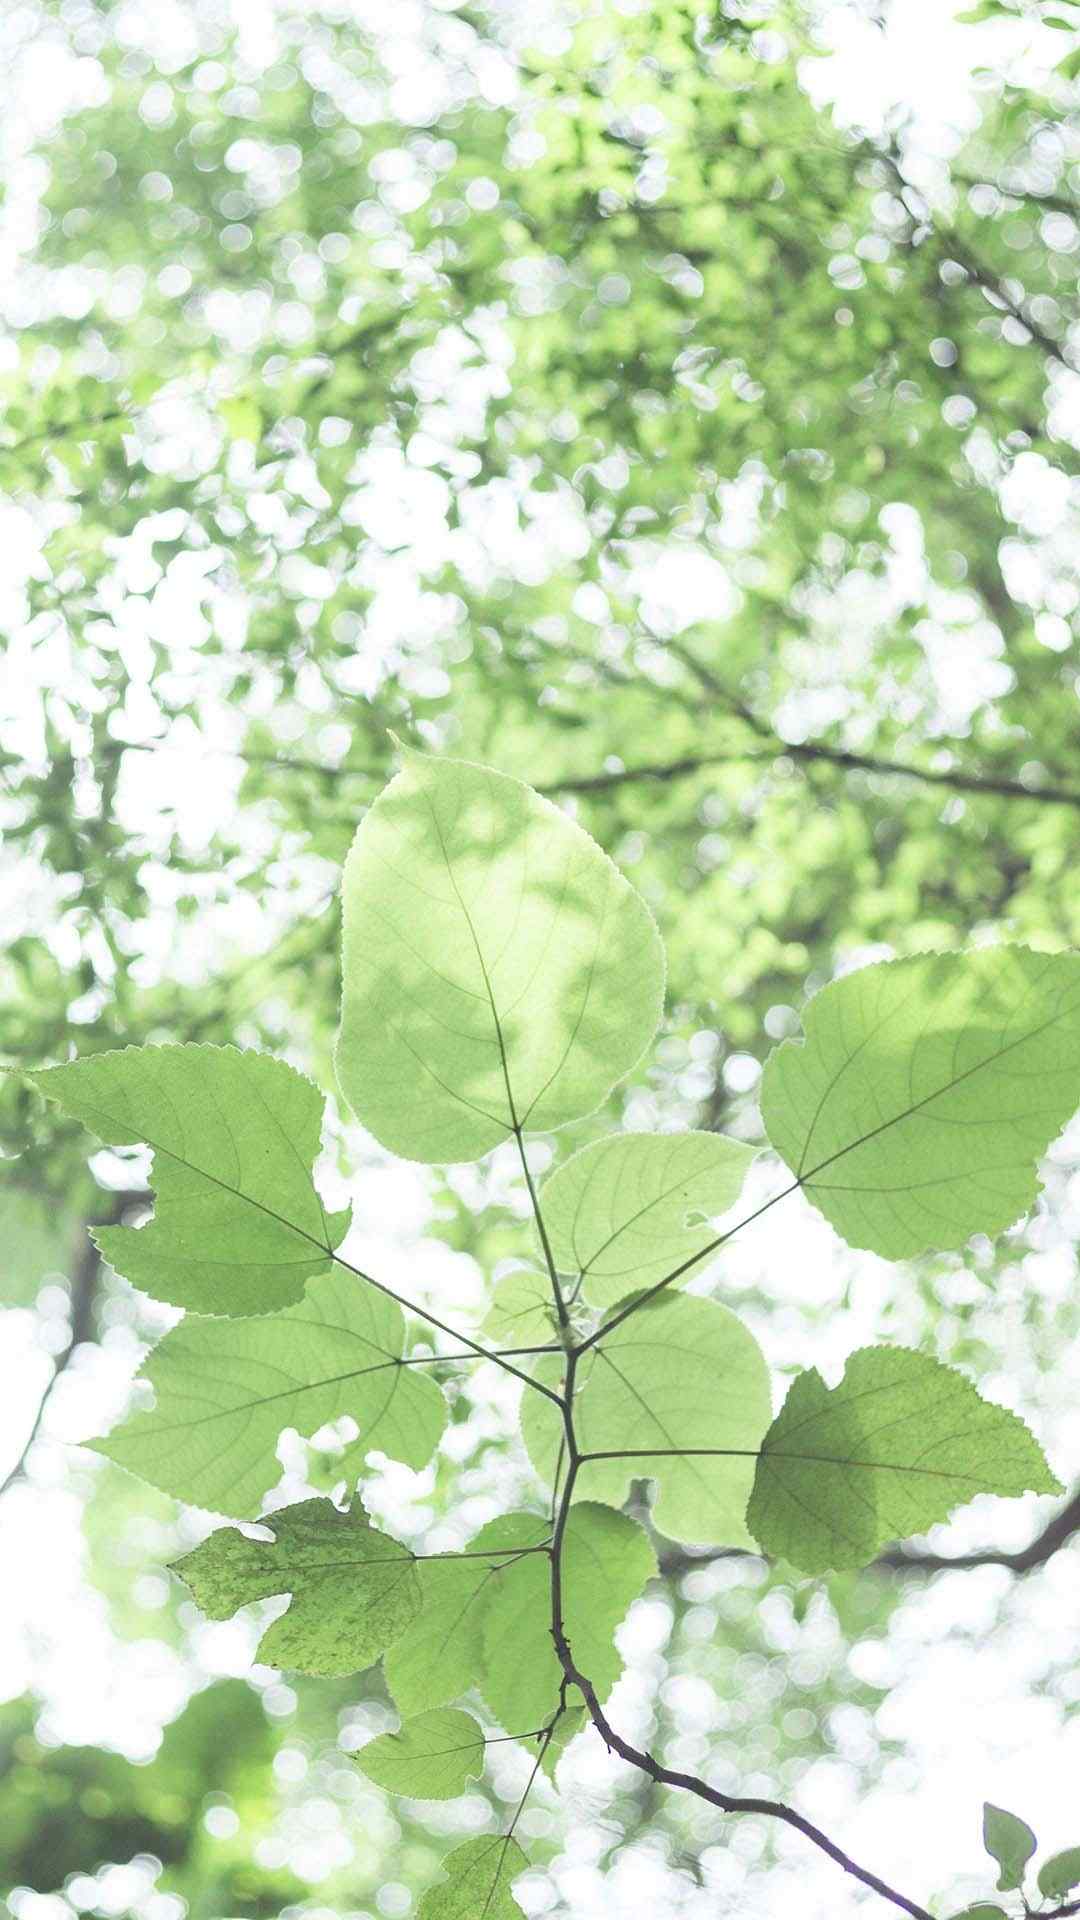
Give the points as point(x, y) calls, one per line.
point(1010, 1842)
point(225, 1390)
point(354, 1590)
point(981, 1911)
point(1060, 1873)
point(681, 1388)
point(627, 1210)
point(890, 1450)
point(498, 970)
point(477, 1883)
point(916, 1110)
point(522, 1312)
point(238, 1226)
point(431, 1757)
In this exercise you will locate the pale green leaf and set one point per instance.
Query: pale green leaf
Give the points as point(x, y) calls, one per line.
point(1010, 1841)
point(485, 1618)
point(572, 1720)
point(1060, 1873)
point(477, 1883)
point(441, 1654)
point(626, 1211)
point(431, 1757)
point(680, 1374)
point(926, 1091)
point(606, 1560)
point(353, 1588)
point(890, 1450)
point(238, 1226)
point(498, 969)
point(225, 1390)
point(522, 1312)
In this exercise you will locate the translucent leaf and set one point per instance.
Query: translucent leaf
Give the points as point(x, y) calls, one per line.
point(521, 1313)
point(925, 1093)
point(477, 1883)
point(625, 1211)
point(679, 1374)
point(606, 1560)
point(225, 1390)
point(485, 1619)
point(431, 1757)
point(441, 1654)
point(498, 969)
point(353, 1589)
point(1010, 1842)
point(238, 1226)
point(892, 1449)
point(1060, 1873)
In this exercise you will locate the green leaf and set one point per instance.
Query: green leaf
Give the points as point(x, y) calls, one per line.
point(570, 1723)
point(925, 1093)
point(981, 1911)
point(225, 1390)
point(1060, 1873)
point(625, 1211)
point(606, 1560)
point(681, 1373)
point(431, 1757)
point(477, 1883)
point(894, 1447)
point(238, 1226)
point(521, 1313)
point(485, 1618)
point(441, 1654)
point(354, 1589)
point(498, 969)
point(1010, 1842)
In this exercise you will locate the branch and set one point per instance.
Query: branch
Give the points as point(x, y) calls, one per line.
point(1056, 1534)
point(674, 1561)
point(645, 1763)
point(85, 1274)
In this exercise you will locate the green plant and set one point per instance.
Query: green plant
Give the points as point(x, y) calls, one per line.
point(500, 976)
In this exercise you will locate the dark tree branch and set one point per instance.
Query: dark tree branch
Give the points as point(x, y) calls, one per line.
point(645, 1763)
point(674, 1561)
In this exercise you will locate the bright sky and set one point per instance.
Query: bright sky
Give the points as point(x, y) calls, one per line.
point(976, 1719)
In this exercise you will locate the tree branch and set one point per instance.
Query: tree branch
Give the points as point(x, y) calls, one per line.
point(637, 1757)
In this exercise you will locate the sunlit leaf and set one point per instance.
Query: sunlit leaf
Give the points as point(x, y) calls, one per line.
point(606, 1560)
point(498, 970)
point(441, 1656)
point(681, 1388)
point(225, 1390)
point(431, 1757)
point(925, 1092)
point(477, 1883)
point(890, 1450)
point(354, 1589)
point(626, 1211)
point(521, 1312)
point(238, 1225)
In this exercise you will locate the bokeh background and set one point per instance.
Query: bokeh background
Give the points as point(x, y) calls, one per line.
point(674, 404)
